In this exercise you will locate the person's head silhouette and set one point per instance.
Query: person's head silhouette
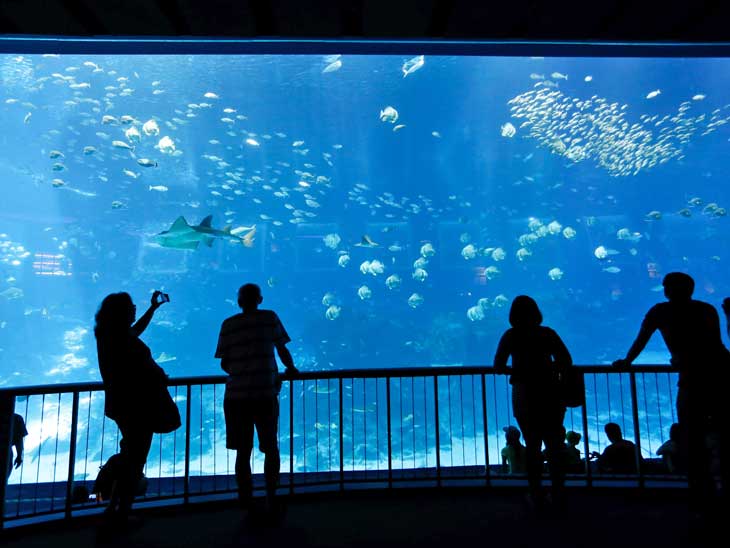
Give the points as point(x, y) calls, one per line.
point(524, 312)
point(678, 286)
point(573, 438)
point(116, 314)
point(512, 435)
point(249, 297)
point(613, 432)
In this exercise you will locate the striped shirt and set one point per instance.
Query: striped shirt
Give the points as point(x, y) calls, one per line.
point(246, 346)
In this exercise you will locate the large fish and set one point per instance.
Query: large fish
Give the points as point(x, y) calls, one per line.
point(182, 235)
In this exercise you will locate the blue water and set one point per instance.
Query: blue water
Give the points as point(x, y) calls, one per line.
point(448, 178)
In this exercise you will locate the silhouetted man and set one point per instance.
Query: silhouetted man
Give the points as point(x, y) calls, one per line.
point(691, 331)
point(246, 347)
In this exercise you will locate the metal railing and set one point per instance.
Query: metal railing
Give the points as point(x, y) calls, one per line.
point(337, 429)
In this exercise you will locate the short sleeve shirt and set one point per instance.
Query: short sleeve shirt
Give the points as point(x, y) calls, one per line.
point(246, 345)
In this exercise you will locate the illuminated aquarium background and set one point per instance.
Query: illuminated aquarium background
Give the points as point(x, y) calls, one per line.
point(389, 206)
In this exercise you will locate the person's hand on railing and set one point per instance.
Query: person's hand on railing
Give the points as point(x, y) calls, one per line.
point(726, 306)
point(289, 374)
point(622, 364)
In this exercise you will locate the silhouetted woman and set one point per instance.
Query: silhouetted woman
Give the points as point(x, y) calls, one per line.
point(538, 355)
point(132, 384)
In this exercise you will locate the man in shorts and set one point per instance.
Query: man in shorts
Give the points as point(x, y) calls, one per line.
point(246, 348)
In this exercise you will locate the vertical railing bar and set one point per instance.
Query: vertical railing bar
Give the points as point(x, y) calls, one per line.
point(22, 466)
point(400, 421)
point(174, 449)
point(474, 421)
point(461, 413)
point(586, 447)
point(215, 460)
point(316, 430)
point(377, 429)
point(55, 453)
point(389, 432)
point(188, 413)
point(438, 425)
point(646, 413)
point(40, 448)
point(659, 408)
point(341, 438)
point(487, 475)
point(291, 436)
point(72, 452)
point(88, 429)
point(202, 428)
point(413, 427)
point(451, 431)
point(329, 429)
point(671, 398)
point(304, 424)
point(637, 437)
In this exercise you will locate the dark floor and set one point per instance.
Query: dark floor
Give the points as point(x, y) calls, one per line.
point(426, 517)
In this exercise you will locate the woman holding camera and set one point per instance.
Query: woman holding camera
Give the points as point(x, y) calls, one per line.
point(135, 389)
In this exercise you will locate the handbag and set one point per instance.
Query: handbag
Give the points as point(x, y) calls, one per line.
point(572, 387)
point(167, 418)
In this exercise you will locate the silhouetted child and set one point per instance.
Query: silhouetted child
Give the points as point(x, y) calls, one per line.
point(669, 450)
point(514, 454)
point(538, 356)
point(619, 457)
point(573, 462)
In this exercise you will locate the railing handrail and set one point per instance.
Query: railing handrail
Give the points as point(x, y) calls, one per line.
point(399, 372)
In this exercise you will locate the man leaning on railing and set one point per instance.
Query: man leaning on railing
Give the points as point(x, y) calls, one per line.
point(691, 331)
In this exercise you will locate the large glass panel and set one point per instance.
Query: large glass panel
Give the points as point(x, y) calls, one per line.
point(389, 206)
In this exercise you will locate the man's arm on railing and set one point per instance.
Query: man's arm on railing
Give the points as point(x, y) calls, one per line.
point(726, 310)
point(638, 345)
point(286, 358)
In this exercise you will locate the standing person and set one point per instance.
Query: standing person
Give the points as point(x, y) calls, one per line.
point(246, 348)
point(538, 355)
point(132, 389)
point(691, 331)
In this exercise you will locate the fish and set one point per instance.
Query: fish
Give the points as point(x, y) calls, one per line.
point(653, 94)
point(146, 162)
point(413, 64)
point(332, 67)
point(366, 241)
point(389, 114)
point(612, 269)
point(182, 235)
point(158, 188)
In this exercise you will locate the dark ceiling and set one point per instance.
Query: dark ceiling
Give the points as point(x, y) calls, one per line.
point(640, 20)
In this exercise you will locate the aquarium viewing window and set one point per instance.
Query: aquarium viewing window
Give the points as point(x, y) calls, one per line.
point(390, 199)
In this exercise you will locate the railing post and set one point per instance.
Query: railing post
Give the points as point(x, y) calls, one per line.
point(487, 476)
point(186, 484)
point(7, 409)
point(291, 437)
point(342, 442)
point(637, 437)
point(390, 444)
point(72, 452)
point(586, 448)
point(438, 427)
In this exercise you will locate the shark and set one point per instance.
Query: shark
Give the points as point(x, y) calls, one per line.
point(182, 235)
